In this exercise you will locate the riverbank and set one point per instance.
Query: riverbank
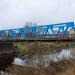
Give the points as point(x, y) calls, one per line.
point(60, 68)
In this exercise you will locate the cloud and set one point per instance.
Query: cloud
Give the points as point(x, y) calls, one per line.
point(14, 13)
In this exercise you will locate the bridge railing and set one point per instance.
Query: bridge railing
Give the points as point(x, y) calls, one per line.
point(31, 37)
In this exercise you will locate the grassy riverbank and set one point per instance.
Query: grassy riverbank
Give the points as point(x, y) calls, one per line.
point(60, 68)
point(41, 47)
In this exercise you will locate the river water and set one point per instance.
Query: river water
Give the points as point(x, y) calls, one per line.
point(45, 59)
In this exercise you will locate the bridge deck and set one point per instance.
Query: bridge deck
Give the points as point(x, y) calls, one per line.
point(40, 40)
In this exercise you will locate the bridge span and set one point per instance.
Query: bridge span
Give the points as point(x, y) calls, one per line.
point(51, 32)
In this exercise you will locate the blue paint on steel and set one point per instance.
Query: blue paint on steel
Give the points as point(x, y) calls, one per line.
point(21, 33)
point(38, 31)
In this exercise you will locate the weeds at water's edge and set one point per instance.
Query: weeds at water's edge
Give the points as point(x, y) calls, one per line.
point(60, 68)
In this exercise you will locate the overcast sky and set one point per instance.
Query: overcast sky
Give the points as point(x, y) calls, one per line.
point(14, 13)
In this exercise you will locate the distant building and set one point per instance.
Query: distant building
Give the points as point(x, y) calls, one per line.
point(71, 33)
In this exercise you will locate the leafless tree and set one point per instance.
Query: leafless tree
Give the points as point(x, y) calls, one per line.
point(27, 28)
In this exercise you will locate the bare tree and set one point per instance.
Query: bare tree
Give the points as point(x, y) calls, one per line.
point(27, 28)
point(5, 35)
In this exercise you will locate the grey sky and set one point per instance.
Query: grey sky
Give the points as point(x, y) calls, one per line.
point(14, 13)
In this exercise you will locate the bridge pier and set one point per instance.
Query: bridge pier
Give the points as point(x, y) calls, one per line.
point(6, 54)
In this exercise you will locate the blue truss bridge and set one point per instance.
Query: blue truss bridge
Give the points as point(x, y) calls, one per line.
point(51, 32)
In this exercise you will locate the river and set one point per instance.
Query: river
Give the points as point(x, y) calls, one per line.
point(45, 59)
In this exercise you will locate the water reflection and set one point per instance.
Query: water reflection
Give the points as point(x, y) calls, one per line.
point(44, 59)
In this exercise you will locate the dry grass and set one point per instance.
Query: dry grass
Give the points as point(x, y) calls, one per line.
point(60, 68)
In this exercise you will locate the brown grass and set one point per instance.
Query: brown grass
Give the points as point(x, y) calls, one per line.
point(60, 68)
